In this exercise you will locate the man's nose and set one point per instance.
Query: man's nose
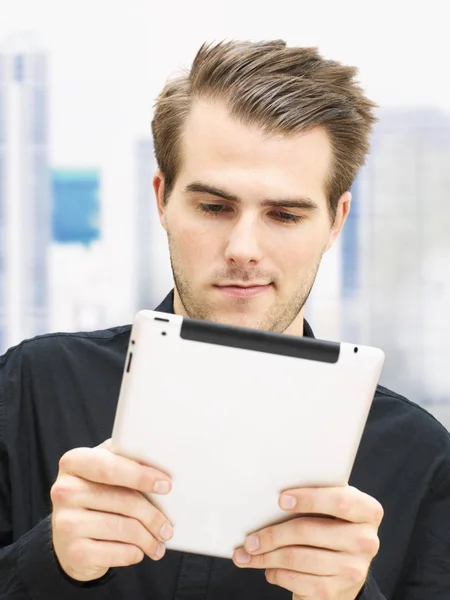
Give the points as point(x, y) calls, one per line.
point(243, 245)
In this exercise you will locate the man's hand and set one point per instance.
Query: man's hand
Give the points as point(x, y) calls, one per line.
point(101, 518)
point(315, 556)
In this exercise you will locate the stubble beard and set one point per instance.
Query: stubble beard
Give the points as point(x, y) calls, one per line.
point(277, 318)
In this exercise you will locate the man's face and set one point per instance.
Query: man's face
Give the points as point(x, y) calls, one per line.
point(247, 221)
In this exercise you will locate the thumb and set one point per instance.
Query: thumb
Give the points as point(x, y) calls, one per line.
point(107, 444)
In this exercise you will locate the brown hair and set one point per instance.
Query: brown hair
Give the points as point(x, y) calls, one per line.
point(282, 90)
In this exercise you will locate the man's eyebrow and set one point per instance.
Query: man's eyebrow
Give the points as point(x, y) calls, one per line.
point(204, 188)
point(302, 202)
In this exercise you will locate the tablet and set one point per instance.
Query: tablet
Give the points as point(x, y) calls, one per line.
point(235, 416)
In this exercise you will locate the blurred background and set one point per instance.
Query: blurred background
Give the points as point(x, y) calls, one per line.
point(80, 244)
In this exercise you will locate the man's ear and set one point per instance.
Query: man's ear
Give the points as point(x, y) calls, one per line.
point(342, 212)
point(159, 187)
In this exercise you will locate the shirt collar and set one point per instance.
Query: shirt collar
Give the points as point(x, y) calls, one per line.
point(166, 306)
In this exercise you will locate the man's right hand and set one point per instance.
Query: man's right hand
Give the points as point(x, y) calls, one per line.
point(101, 519)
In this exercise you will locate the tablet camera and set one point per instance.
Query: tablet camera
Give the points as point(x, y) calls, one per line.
point(163, 333)
point(355, 350)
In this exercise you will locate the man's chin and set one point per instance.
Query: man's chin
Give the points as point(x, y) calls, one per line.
point(238, 319)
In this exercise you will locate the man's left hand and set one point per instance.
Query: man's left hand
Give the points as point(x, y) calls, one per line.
point(312, 555)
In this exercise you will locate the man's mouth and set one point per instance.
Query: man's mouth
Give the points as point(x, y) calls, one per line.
point(244, 290)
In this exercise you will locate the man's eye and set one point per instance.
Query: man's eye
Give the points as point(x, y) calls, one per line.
point(213, 209)
point(287, 217)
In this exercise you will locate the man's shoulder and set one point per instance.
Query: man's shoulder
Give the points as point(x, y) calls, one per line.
point(402, 423)
point(54, 345)
point(395, 405)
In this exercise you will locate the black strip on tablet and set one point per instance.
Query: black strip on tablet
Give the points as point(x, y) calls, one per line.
point(260, 341)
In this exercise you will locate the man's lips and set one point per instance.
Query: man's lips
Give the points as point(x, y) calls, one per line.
point(244, 290)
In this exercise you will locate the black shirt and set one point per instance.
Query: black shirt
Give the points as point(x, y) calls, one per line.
point(59, 391)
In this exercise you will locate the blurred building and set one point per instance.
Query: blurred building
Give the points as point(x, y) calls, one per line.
point(78, 291)
point(24, 191)
point(351, 270)
point(325, 303)
point(397, 253)
point(152, 264)
point(76, 206)
point(145, 165)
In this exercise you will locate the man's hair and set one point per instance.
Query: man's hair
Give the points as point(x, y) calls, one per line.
point(279, 89)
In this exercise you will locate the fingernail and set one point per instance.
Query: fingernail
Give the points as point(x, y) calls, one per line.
point(166, 532)
point(161, 487)
point(242, 556)
point(160, 550)
point(252, 543)
point(288, 502)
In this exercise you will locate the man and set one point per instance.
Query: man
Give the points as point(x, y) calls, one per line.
point(257, 148)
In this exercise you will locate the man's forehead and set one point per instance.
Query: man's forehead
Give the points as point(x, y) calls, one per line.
point(213, 142)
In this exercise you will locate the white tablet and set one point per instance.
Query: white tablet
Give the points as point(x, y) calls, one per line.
point(235, 416)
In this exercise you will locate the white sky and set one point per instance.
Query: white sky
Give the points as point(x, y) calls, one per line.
point(109, 58)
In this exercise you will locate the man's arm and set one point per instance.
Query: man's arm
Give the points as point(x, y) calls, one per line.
point(426, 571)
point(29, 570)
point(28, 567)
point(100, 518)
point(370, 590)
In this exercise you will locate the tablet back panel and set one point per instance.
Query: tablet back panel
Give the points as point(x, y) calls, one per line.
point(235, 416)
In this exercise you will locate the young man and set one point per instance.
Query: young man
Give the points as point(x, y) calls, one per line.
point(257, 148)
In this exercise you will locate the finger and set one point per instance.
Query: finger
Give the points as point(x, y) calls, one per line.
point(302, 584)
point(312, 561)
point(316, 532)
point(107, 554)
point(79, 493)
point(102, 466)
point(346, 503)
point(107, 527)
